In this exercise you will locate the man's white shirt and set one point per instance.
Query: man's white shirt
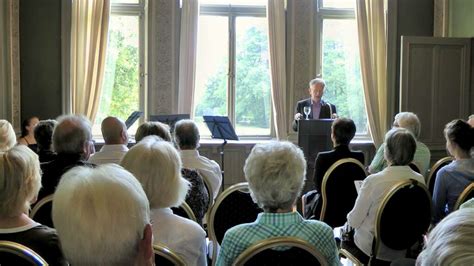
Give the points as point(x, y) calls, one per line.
point(109, 154)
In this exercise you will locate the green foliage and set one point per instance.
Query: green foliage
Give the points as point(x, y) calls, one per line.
point(343, 84)
point(120, 92)
point(252, 106)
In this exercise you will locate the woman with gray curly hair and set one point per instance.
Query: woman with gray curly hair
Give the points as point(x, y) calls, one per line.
point(276, 173)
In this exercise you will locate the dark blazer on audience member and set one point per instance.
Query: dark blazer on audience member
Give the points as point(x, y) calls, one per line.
point(324, 160)
point(53, 170)
point(324, 113)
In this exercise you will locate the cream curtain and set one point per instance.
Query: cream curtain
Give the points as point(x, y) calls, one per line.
point(187, 55)
point(89, 28)
point(373, 55)
point(276, 39)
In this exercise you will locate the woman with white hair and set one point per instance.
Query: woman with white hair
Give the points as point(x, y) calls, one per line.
point(399, 151)
point(410, 121)
point(453, 178)
point(276, 173)
point(7, 135)
point(451, 242)
point(20, 181)
point(157, 165)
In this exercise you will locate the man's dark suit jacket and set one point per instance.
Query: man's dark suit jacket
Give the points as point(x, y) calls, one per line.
point(325, 111)
point(324, 160)
point(53, 170)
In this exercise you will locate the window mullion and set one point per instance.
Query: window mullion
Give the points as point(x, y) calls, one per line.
point(231, 81)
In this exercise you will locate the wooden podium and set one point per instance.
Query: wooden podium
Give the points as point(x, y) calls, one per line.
point(314, 136)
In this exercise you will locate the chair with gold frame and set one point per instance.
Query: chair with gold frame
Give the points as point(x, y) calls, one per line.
point(41, 212)
point(430, 181)
point(403, 216)
point(185, 211)
point(233, 206)
point(12, 253)
point(338, 191)
point(165, 256)
point(264, 253)
point(466, 194)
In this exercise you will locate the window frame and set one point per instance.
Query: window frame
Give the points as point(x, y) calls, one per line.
point(136, 10)
point(232, 12)
point(323, 13)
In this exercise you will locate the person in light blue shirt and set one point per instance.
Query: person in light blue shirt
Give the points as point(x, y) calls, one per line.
point(276, 173)
point(453, 178)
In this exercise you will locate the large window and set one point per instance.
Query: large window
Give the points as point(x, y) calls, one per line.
point(232, 69)
point(122, 90)
point(339, 61)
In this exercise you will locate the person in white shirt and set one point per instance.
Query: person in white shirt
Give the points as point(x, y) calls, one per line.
point(186, 136)
point(399, 152)
point(156, 164)
point(115, 136)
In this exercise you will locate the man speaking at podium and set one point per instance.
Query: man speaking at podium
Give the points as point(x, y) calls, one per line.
point(314, 107)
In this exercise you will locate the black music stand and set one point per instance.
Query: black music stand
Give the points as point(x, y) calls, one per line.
point(170, 120)
point(221, 128)
point(132, 118)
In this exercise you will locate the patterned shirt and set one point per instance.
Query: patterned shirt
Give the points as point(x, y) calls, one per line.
point(268, 225)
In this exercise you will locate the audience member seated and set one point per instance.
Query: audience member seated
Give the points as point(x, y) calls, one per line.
point(451, 242)
point(7, 136)
point(400, 146)
point(20, 181)
point(44, 138)
point(453, 178)
point(342, 132)
point(115, 135)
point(102, 217)
point(468, 204)
point(186, 136)
point(422, 156)
point(276, 173)
point(156, 164)
point(153, 128)
point(72, 141)
point(27, 136)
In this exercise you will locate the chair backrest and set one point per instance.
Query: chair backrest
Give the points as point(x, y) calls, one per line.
point(12, 253)
point(185, 211)
point(207, 184)
point(296, 251)
point(41, 212)
point(434, 170)
point(233, 206)
point(466, 194)
point(403, 216)
point(165, 256)
point(338, 190)
point(415, 167)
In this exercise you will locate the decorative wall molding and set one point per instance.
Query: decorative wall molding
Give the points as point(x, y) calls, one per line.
point(441, 18)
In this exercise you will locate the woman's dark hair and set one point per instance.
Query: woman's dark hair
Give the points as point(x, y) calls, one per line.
point(24, 124)
point(344, 130)
point(461, 133)
point(44, 134)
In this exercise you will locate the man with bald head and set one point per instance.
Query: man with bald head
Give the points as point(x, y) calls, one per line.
point(115, 136)
point(72, 141)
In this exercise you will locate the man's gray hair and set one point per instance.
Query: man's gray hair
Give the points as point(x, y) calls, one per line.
point(100, 215)
point(409, 121)
point(317, 81)
point(451, 241)
point(71, 134)
point(186, 134)
point(276, 172)
point(400, 146)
